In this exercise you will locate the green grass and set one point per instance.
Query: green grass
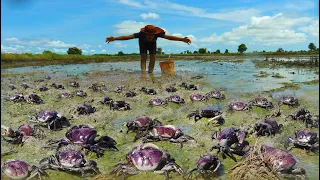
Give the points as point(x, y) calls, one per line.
point(111, 123)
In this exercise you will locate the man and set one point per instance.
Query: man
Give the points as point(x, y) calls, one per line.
point(148, 41)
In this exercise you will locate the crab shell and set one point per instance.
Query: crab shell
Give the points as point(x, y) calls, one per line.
point(65, 95)
point(273, 123)
point(216, 94)
point(197, 97)
point(238, 105)
point(26, 130)
point(143, 121)
point(156, 102)
point(82, 135)
point(205, 162)
point(279, 158)
point(146, 157)
point(306, 136)
point(47, 115)
point(167, 131)
point(16, 169)
point(70, 158)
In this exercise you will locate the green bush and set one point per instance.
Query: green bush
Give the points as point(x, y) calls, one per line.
point(74, 50)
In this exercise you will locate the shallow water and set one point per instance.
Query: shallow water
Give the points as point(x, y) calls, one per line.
point(235, 79)
point(229, 76)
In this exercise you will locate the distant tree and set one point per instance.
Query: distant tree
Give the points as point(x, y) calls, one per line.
point(74, 50)
point(159, 50)
point(47, 52)
point(120, 53)
point(242, 48)
point(312, 47)
point(226, 51)
point(208, 52)
point(280, 50)
point(181, 53)
point(318, 49)
point(263, 51)
point(202, 50)
point(189, 52)
point(195, 52)
point(218, 51)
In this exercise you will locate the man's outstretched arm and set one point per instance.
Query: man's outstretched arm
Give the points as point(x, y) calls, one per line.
point(111, 38)
point(176, 38)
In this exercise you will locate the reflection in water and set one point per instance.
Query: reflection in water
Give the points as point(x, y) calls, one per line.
point(229, 76)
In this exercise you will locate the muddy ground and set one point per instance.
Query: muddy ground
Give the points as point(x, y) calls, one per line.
point(112, 123)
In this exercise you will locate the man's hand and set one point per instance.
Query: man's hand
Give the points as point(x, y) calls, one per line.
point(186, 40)
point(109, 39)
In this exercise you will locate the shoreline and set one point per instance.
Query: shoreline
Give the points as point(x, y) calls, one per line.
point(42, 60)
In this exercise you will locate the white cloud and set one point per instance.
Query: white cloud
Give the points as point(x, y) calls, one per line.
point(12, 48)
point(129, 27)
point(119, 45)
point(238, 15)
point(301, 5)
point(99, 46)
point(312, 29)
point(58, 44)
point(61, 51)
point(85, 46)
point(149, 15)
point(266, 30)
point(92, 50)
point(131, 3)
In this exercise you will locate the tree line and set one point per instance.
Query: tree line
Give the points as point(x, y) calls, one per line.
point(241, 49)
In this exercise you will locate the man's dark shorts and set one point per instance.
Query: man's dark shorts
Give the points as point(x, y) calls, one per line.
point(145, 45)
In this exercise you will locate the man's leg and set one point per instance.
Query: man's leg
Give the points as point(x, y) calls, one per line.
point(143, 62)
point(151, 63)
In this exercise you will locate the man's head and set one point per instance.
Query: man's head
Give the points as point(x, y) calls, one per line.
point(150, 31)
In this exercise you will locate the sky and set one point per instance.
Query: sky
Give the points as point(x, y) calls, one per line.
point(38, 25)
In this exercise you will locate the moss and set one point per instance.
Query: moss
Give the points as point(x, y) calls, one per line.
point(287, 85)
point(315, 81)
point(111, 123)
point(277, 75)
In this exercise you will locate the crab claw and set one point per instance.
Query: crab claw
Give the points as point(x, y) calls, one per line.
point(241, 136)
point(8, 131)
point(287, 142)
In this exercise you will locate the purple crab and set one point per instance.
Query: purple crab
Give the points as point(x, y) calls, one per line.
point(238, 106)
point(73, 84)
point(80, 93)
point(164, 133)
point(142, 123)
point(16, 98)
point(130, 94)
point(282, 162)
point(12, 87)
point(198, 97)
point(147, 157)
point(85, 135)
point(207, 112)
point(65, 95)
point(18, 169)
point(25, 86)
point(85, 109)
point(51, 119)
point(266, 128)
point(57, 86)
point(157, 102)
point(216, 94)
point(231, 141)
point(70, 160)
point(120, 88)
point(305, 116)
point(148, 91)
point(106, 100)
point(175, 99)
point(34, 99)
point(288, 100)
point(304, 139)
point(261, 102)
point(23, 132)
point(119, 105)
point(171, 89)
point(43, 88)
point(188, 86)
point(207, 166)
